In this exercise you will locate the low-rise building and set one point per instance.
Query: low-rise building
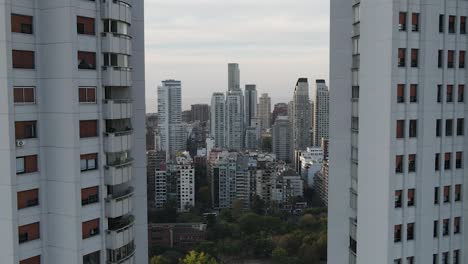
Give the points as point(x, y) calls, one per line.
point(179, 236)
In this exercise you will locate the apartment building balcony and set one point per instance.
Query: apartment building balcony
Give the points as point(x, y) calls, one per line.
point(117, 109)
point(118, 173)
point(119, 204)
point(116, 10)
point(118, 141)
point(120, 233)
point(116, 43)
point(116, 76)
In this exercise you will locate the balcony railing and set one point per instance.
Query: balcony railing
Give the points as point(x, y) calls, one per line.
point(113, 42)
point(117, 109)
point(120, 163)
point(121, 225)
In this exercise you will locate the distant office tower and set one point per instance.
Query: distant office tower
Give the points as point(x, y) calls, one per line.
point(155, 161)
point(250, 103)
point(398, 179)
point(200, 112)
point(170, 118)
point(187, 116)
point(301, 116)
point(233, 77)
point(280, 109)
point(282, 139)
point(264, 111)
point(72, 142)
point(252, 135)
point(235, 120)
point(312, 138)
point(217, 119)
point(320, 115)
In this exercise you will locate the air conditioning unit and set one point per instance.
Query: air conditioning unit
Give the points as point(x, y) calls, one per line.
point(20, 143)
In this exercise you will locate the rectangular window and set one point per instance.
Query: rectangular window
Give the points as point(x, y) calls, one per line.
point(448, 161)
point(23, 59)
point(88, 162)
point(355, 92)
point(92, 258)
point(412, 163)
point(440, 58)
point(461, 59)
point(439, 93)
point(461, 93)
point(410, 231)
point(88, 128)
point(441, 23)
point(28, 198)
point(397, 233)
point(86, 60)
point(400, 93)
point(463, 25)
point(28, 232)
point(436, 229)
point(25, 129)
point(21, 24)
point(397, 261)
point(456, 256)
point(449, 93)
point(400, 129)
point(438, 127)
point(399, 164)
point(89, 195)
point(451, 59)
point(26, 164)
point(458, 192)
point(410, 260)
point(459, 160)
point(446, 227)
point(436, 195)
point(413, 128)
point(449, 127)
point(456, 225)
point(87, 94)
point(90, 228)
point(398, 198)
point(33, 260)
point(401, 57)
point(413, 93)
point(446, 194)
point(402, 21)
point(24, 95)
point(411, 197)
point(451, 24)
point(85, 25)
point(414, 57)
point(445, 258)
point(437, 161)
point(460, 126)
point(415, 22)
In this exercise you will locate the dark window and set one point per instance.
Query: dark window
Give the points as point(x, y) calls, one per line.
point(21, 24)
point(446, 194)
point(410, 231)
point(451, 59)
point(451, 24)
point(85, 25)
point(90, 228)
point(400, 129)
point(402, 21)
point(401, 57)
point(88, 128)
point(24, 95)
point(448, 160)
point(446, 227)
point(414, 57)
point(463, 25)
point(93, 258)
point(436, 195)
point(413, 128)
point(28, 198)
point(460, 126)
point(449, 93)
point(440, 58)
point(411, 197)
point(88, 162)
point(461, 93)
point(457, 193)
point(397, 233)
point(459, 160)
point(25, 129)
point(400, 93)
point(438, 127)
point(399, 164)
point(436, 229)
point(413, 93)
point(456, 225)
point(410, 260)
point(28, 232)
point(87, 94)
point(415, 22)
point(456, 256)
point(355, 92)
point(26, 164)
point(445, 258)
point(437, 162)
point(89, 195)
point(448, 127)
point(86, 60)
point(33, 260)
point(412, 163)
point(398, 198)
point(23, 59)
point(441, 23)
point(439, 93)
point(461, 59)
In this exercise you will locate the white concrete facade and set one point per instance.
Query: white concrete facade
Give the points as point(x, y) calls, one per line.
point(281, 140)
point(250, 96)
point(118, 110)
point(320, 119)
point(391, 198)
point(217, 119)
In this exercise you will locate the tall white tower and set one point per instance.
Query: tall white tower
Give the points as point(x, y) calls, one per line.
point(235, 120)
point(233, 77)
point(397, 178)
point(72, 132)
point(320, 112)
point(217, 119)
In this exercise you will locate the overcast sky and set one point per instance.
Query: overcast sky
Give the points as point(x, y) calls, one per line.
point(274, 41)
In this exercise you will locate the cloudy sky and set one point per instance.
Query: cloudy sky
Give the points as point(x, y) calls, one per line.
point(274, 41)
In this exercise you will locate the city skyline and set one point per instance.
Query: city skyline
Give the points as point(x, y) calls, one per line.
point(287, 40)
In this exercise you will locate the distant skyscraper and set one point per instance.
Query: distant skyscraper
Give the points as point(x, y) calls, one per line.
point(250, 103)
point(217, 119)
point(281, 141)
point(200, 112)
point(264, 111)
point(170, 126)
point(252, 134)
point(320, 117)
point(280, 109)
point(301, 116)
point(235, 120)
point(233, 77)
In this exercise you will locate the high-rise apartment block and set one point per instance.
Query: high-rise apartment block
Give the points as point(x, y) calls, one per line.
point(172, 132)
point(217, 119)
point(281, 142)
point(320, 112)
point(235, 120)
point(233, 77)
point(280, 109)
point(72, 142)
point(264, 111)
point(250, 96)
point(300, 116)
point(397, 185)
point(200, 112)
